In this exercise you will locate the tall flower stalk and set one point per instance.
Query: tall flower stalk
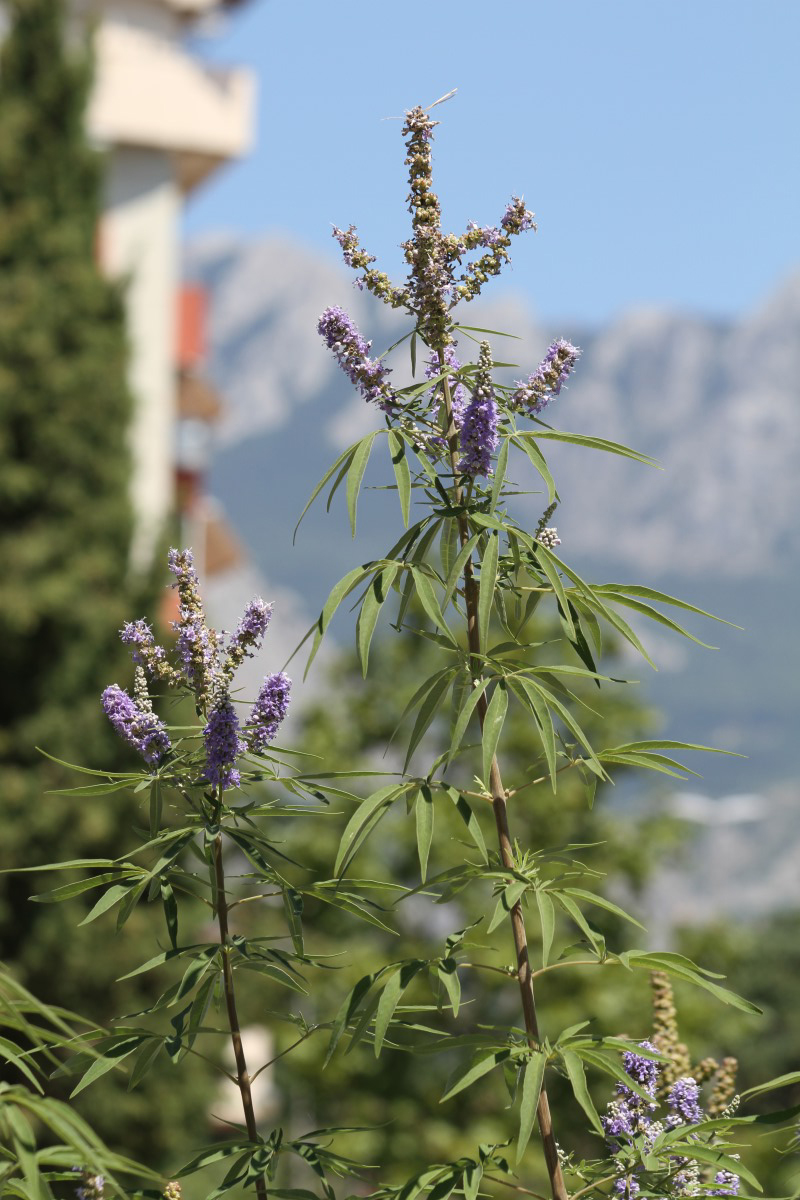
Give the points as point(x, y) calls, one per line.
point(450, 441)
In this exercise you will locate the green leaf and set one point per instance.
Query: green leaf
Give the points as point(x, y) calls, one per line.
point(156, 806)
point(145, 1058)
point(293, 909)
point(532, 1076)
point(363, 819)
point(488, 580)
point(170, 912)
point(526, 443)
point(402, 474)
point(683, 968)
point(470, 820)
point(723, 1162)
point(476, 1071)
point(545, 560)
point(591, 898)
point(112, 1056)
point(390, 997)
point(541, 712)
point(596, 443)
point(577, 1077)
point(572, 910)
point(344, 458)
point(428, 711)
point(424, 812)
point(493, 725)
point(462, 720)
point(457, 568)
point(547, 916)
point(501, 466)
point(447, 972)
point(427, 598)
point(375, 598)
point(337, 594)
point(355, 475)
point(109, 898)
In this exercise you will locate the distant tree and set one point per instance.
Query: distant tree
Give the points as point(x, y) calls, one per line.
point(65, 529)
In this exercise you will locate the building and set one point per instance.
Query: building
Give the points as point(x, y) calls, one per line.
point(167, 122)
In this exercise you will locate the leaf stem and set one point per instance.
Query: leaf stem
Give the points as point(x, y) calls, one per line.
point(524, 975)
point(242, 1076)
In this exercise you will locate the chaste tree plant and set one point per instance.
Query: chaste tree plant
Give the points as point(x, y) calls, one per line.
point(218, 790)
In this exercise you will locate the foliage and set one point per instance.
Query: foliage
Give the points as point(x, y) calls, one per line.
point(65, 527)
point(222, 798)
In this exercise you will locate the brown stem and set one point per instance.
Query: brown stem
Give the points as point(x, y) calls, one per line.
point(242, 1075)
point(524, 974)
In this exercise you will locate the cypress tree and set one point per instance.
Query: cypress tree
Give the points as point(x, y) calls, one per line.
point(65, 530)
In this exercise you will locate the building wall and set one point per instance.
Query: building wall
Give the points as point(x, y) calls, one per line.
point(138, 244)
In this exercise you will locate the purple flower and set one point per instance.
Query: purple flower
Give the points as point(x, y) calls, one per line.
point(682, 1101)
point(144, 650)
point(549, 538)
point(486, 235)
point(222, 742)
point(479, 426)
point(197, 644)
point(627, 1187)
point(535, 393)
point(644, 1071)
point(458, 397)
point(268, 711)
point(351, 351)
point(517, 218)
point(727, 1184)
point(249, 634)
point(139, 727)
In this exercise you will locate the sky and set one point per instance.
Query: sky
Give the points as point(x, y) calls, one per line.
point(656, 140)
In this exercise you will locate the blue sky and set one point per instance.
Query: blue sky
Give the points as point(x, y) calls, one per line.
point(656, 140)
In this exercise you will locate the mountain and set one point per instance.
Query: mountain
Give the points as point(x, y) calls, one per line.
point(715, 402)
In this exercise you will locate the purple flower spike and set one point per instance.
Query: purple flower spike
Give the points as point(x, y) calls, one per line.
point(369, 375)
point(139, 727)
point(249, 634)
point(479, 427)
point(727, 1184)
point(223, 744)
point(268, 711)
point(683, 1101)
point(534, 394)
point(644, 1071)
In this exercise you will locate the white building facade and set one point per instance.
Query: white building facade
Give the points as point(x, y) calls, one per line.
point(167, 122)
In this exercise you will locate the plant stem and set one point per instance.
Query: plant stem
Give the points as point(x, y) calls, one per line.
point(242, 1075)
point(499, 806)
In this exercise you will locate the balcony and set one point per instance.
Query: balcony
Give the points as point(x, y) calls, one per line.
point(150, 93)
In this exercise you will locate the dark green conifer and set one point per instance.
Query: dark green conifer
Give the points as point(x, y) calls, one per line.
point(65, 531)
